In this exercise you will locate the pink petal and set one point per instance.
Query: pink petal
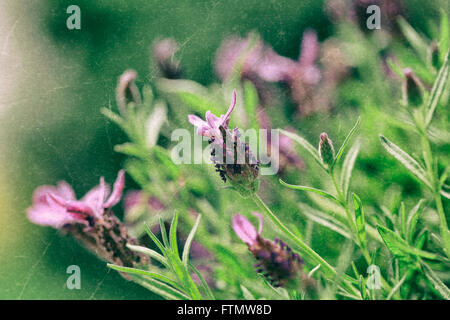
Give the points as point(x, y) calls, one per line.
point(40, 194)
point(49, 216)
point(65, 191)
point(226, 118)
point(96, 197)
point(196, 121)
point(79, 207)
point(244, 229)
point(309, 50)
point(115, 196)
point(211, 119)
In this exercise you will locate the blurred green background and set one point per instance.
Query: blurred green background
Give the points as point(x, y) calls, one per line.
point(53, 82)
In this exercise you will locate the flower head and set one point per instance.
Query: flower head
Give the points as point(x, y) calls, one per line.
point(276, 261)
point(58, 207)
point(163, 52)
point(233, 159)
point(127, 91)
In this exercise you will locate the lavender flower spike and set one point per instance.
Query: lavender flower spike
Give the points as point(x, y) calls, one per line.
point(57, 206)
point(276, 260)
point(233, 158)
point(88, 219)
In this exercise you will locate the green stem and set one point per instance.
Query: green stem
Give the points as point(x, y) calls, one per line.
point(432, 173)
point(343, 200)
point(311, 255)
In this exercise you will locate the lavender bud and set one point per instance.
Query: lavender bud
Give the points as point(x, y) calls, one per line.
point(326, 149)
point(433, 55)
point(127, 91)
point(412, 89)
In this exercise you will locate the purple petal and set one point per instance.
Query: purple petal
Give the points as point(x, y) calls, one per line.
point(226, 118)
point(65, 191)
point(80, 207)
point(115, 196)
point(244, 229)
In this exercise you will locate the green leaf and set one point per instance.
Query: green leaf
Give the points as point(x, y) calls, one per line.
point(187, 245)
point(247, 294)
point(402, 220)
point(304, 188)
point(347, 168)
point(325, 220)
point(413, 217)
point(437, 90)
point(360, 221)
point(149, 252)
point(437, 283)
point(173, 234)
point(406, 160)
point(344, 144)
point(444, 35)
point(205, 286)
point(155, 240)
point(400, 248)
point(306, 145)
point(162, 227)
point(161, 284)
point(415, 40)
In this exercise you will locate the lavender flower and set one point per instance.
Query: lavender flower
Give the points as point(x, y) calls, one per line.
point(164, 54)
point(287, 155)
point(90, 219)
point(127, 91)
point(276, 261)
point(232, 157)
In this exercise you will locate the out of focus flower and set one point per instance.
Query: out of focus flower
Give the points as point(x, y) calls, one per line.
point(127, 91)
point(90, 219)
point(232, 157)
point(286, 150)
point(57, 206)
point(412, 89)
point(164, 54)
point(259, 63)
point(276, 261)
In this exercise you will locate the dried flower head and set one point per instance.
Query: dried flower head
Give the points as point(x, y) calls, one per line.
point(232, 157)
point(276, 260)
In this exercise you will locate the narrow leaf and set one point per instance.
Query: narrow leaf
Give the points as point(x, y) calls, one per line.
point(304, 188)
point(347, 168)
point(437, 90)
point(305, 144)
point(173, 234)
point(437, 283)
point(413, 217)
point(149, 252)
point(347, 139)
point(187, 245)
point(400, 248)
point(416, 41)
point(406, 160)
point(360, 221)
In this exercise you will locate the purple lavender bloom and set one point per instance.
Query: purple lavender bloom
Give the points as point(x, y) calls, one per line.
point(164, 54)
point(211, 127)
point(276, 260)
point(57, 206)
point(232, 157)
